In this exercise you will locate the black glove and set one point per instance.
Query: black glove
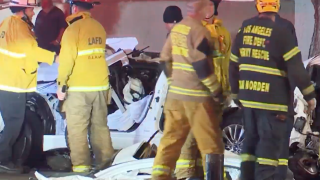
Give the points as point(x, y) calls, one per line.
point(219, 98)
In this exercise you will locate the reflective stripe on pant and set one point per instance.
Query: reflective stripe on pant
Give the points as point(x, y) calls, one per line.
point(189, 163)
point(88, 110)
point(282, 168)
point(179, 116)
point(81, 168)
point(263, 139)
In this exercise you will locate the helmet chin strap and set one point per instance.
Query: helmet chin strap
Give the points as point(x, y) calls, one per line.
point(210, 17)
point(26, 19)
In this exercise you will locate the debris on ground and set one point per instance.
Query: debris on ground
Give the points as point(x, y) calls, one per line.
point(73, 177)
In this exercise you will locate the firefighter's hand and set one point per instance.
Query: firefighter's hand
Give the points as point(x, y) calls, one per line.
point(56, 60)
point(311, 105)
point(61, 95)
point(55, 42)
point(219, 99)
point(227, 101)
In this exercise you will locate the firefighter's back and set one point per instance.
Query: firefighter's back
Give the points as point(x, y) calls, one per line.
point(90, 67)
point(186, 84)
point(263, 80)
point(190, 106)
point(83, 69)
point(265, 62)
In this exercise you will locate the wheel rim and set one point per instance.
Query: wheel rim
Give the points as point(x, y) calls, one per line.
point(233, 136)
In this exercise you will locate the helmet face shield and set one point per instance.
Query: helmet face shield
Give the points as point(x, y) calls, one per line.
point(86, 4)
point(32, 2)
point(268, 6)
point(21, 3)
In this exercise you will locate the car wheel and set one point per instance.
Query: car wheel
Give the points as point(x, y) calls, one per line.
point(161, 124)
point(22, 147)
point(38, 104)
point(233, 130)
point(35, 157)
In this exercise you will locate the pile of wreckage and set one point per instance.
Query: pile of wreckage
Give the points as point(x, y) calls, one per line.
point(138, 91)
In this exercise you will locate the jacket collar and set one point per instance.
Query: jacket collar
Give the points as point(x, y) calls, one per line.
point(215, 21)
point(19, 18)
point(77, 16)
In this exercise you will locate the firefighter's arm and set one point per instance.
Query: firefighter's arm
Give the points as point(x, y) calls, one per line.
point(33, 51)
point(166, 59)
point(234, 66)
point(297, 74)
point(226, 60)
point(68, 55)
point(202, 64)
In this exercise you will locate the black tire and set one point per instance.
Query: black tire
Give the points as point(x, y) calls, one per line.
point(161, 124)
point(36, 156)
point(232, 119)
point(38, 104)
point(66, 138)
point(22, 147)
point(28, 149)
point(232, 116)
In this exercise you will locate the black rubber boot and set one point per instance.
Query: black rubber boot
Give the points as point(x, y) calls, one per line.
point(214, 166)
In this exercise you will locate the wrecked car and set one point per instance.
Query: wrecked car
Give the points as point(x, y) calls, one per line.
point(138, 90)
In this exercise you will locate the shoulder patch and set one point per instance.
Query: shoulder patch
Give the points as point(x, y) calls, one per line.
point(239, 30)
point(204, 47)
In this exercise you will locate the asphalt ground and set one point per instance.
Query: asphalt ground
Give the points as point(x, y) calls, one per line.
point(17, 177)
point(30, 176)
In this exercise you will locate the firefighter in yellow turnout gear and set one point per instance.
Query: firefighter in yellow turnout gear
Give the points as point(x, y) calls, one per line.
point(189, 164)
point(84, 71)
point(19, 57)
point(187, 58)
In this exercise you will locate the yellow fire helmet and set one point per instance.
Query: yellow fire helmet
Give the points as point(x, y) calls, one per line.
point(268, 5)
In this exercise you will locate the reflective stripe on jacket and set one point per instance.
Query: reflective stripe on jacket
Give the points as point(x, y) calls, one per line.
point(19, 56)
point(265, 64)
point(82, 57)
point(186, 58)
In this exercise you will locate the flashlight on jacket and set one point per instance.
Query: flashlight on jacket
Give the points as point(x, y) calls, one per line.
point(64, 89)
